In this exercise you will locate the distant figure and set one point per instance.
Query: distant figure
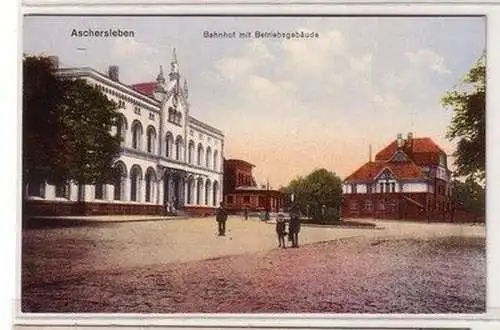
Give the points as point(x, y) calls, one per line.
point(221, 217)
point(245, 213)
point(281, 229)
point(294, 227)
point(323, 211)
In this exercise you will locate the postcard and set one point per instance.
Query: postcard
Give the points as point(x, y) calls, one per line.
point(253, 164)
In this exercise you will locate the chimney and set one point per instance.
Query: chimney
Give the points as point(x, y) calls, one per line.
point(409, 142)
point(399, 140)
point(113, 73)
point(54, 60)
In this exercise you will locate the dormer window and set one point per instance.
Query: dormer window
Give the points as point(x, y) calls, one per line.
point(399, 156)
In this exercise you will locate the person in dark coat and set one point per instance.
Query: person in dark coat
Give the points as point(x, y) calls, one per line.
point(221, 217)
point(294, 226)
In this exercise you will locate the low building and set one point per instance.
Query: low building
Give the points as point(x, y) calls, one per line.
point(409, 179)
point(242, 192)
point(169, 160)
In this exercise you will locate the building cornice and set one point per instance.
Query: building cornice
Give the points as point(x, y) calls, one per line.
point(89, 72)
point(208, 129)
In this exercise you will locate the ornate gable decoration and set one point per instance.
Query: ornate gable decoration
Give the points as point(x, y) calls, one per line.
point(386, 174)
point(399, 157)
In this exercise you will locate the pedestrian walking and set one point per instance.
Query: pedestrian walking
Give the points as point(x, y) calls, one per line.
point(221, 217)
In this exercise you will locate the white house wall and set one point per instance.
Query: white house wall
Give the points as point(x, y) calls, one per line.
point(415, 187)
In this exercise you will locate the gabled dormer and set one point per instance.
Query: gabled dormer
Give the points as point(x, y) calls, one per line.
point(399, 157)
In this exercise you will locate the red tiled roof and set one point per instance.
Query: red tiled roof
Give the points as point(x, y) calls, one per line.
point(402, 170)
point(147, 88)
point(424, 151)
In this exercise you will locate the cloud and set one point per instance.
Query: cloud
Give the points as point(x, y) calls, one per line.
point(361, 64)
point(129, 48)
point(429, 59)
point(233, 67)
point(314, 55)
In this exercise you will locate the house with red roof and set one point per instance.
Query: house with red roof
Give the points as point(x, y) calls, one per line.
point(408, 179)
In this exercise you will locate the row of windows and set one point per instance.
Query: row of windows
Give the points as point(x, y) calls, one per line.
point(37, 189)
point(383, 187)
point(122, 97)
point(203, 158)
point(367, 205)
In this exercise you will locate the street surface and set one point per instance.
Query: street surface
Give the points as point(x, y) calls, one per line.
point(183, 266)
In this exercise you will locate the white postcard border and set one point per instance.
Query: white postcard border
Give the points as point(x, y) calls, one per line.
point(242, 320)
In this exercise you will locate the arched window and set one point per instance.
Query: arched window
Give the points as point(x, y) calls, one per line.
point(179, 143)
point(119, 181)
point(207, 192)
point(63, 190)
point(208, 158)
point(191, 152)
point(216, 163)
point(99, 191)
point(151, 139)
point(169, 144)
point(199, 191)
point(136, 135)
point(121, 128)
point(135, 182)
point(215, 192)
point(200, 154)
point(150, 179)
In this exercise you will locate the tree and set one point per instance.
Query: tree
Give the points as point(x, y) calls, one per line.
point(320, 187)
point(469, 196)
point(468, 124)
point(67, 127)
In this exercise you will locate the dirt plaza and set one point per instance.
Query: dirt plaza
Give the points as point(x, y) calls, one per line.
point(182, 266)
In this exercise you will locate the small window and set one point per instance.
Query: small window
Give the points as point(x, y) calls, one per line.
point(354, 189)
point(246, 199)
point(353, 206)
point(230, 199)
point(381, 185)
point(368, 205)
point(393, 187)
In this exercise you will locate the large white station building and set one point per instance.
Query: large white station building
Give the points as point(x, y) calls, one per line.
point(169, 160)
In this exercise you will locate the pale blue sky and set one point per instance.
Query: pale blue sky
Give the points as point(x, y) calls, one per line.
point(290, 106)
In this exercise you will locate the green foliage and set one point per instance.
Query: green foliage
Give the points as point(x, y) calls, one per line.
point(320, 187)
point(469, 196)
point(67, 127)
point(468, 125)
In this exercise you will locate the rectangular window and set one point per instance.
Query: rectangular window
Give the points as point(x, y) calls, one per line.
point(262, 201)
point(393, 187)
point(387, 187)
point(353, 206)
point(353, 188)
point(230, 199)
point(246, 199)
point(381, 205)
point(368, 205)
point(381, 185)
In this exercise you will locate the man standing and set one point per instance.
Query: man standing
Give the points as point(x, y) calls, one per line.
point(221, 217)
point(294, 226)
